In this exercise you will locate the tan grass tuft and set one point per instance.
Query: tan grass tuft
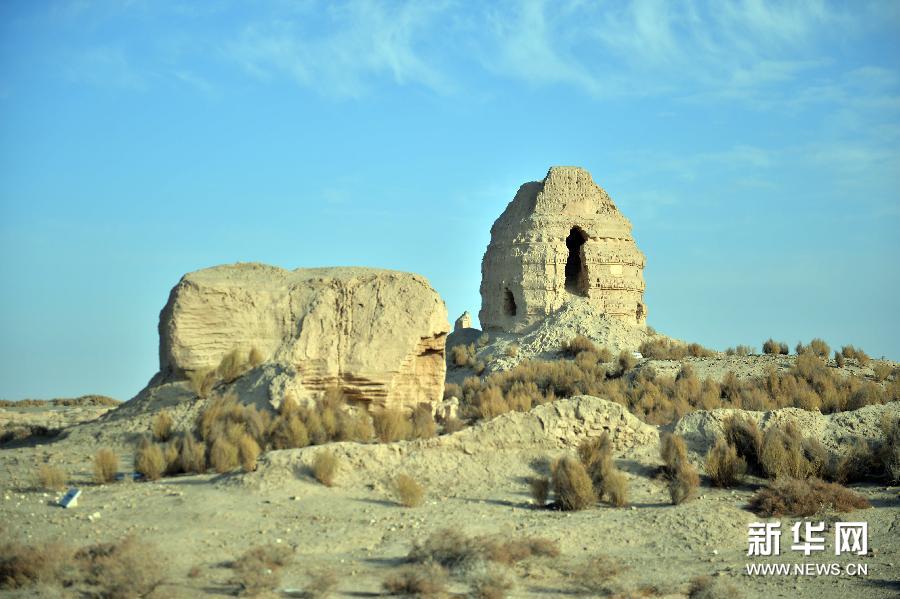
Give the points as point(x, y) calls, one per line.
point(325, 466)
point(408, 491)
point(49, 477)
point(723, 465)
point(106, 465)
point(223, 455)
point(149, 460)
point(392, 425)
point(161, 426)
point(572, 485)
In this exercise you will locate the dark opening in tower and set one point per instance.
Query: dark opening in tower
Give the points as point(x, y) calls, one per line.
point(509, 303)
point(575, 276)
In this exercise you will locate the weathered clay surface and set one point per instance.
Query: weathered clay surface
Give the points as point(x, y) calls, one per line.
point(559, 238)
point(377, 334)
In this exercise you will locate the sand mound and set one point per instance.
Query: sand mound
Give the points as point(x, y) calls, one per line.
point(483, 451)
point(836, 432)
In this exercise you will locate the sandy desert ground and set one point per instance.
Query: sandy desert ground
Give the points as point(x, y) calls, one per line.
point(476, 484)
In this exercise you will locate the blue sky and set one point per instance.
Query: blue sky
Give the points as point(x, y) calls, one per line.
point(755, 147)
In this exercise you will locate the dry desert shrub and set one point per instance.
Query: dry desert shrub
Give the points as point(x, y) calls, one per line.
point(202, 381)
point(890, 448)
point(248, 452)
point(422, 580)
point(594, 576)
point(540, 490)
point(578, 344)
point(512, 350)
point(49, 477)
point(192, 455)
point(356, 426)
point(125, 569)
point(288, 432)
point(614, 488)
point(452, 390)
point(706, 587)
point(610, 484)
point(223, 455)
point(462, 355)
point(772, 347)
point(447, 548)
point(483, 340)
point(423, 424)
point(724, 466)
point(172, 456)
point(861, 462)
point(455, 551)
point(225, 417)
point(322, 583)
point(672, 451)
point(489, 403)
point(627, 361)
point(408, 491)
point(490, 584)
point(571, 484)
point(325, 466)
point(740, 350)
point(786, 453)
point(882, 371)
point(742, 433)
point(510, 552)
point(106, 465)
point(391, 425)
point(838, 359)
point(149, 460)
point(161, 426)
point(233, 365)
point(684, 482)
point(25, 565)
point(788, 496)
point(861, 357)
point(664, 349)
point(259, 569)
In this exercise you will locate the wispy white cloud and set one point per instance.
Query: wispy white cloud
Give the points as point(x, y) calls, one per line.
point(363, 41)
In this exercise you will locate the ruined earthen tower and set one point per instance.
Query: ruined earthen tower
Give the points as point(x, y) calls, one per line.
point(560, 238)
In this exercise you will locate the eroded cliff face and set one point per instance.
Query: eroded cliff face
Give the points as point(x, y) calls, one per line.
point(559, 238)
point(377, 334)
